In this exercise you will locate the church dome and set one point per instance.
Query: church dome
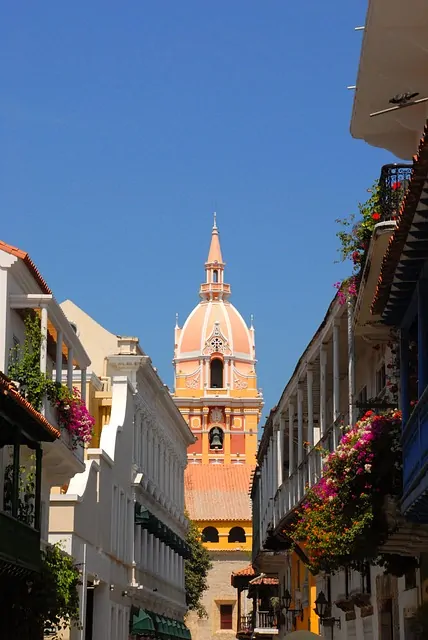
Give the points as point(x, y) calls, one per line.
point(215, 326)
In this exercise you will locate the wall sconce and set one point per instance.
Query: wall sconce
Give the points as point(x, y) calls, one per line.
point(322, 607)
point(286, 601)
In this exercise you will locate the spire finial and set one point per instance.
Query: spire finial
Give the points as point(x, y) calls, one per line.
point(215, 220)
point(252, 321)
point(176, 320)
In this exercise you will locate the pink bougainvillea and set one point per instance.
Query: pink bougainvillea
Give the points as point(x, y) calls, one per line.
point(75, 417)
point(340, 513)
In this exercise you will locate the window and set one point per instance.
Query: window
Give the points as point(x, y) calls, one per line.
point(226, 616)
point(380, 379)
point(210, 534)
point(216, 368)
point(410, 579)
point(215, 275)
point(237, 534)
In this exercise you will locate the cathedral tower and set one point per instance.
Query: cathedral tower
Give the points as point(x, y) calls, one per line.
point(216, 392)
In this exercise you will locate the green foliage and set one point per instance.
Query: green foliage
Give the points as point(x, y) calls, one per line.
point(357, 231)
point(196, 571)
point(24, 365)
point(49, 600)
point(341, 519)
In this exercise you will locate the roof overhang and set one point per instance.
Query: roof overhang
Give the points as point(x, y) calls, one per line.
point(394, 60)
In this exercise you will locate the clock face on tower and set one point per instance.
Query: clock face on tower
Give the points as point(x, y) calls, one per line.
point(216, 415)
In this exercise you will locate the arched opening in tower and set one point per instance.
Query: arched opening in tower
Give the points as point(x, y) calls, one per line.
point(216, 369)
point(215, 275)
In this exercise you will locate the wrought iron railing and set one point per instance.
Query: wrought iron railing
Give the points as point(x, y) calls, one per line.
point(393, 183)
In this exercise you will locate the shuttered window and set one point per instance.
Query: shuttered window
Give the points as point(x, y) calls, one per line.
point(226, 616)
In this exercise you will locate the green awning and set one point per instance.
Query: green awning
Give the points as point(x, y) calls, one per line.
point(142, 624)
point(146, 519)
point(161, 624)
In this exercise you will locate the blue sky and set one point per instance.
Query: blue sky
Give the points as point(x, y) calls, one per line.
point(124, 125)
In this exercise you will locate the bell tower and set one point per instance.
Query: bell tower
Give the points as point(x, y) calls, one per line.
point(215, 377)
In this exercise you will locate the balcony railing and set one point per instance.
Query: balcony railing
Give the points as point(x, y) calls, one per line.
point(19, 543)
point(308, 473)
point(266, 620)
point(393, 183)
point(415, 458)
point(246, 623)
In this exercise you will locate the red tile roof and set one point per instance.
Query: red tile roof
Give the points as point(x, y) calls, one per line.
point(7, 388)
point(218, 492)
point(248, 571)
point(405, 218)
point(18, 253)
point(265, 580)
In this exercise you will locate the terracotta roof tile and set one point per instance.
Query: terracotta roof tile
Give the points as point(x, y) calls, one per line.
point(18, 253)
point(218, 492)
point(405, 219)
point(8, 388)
point(265, 580)
point(248, 571)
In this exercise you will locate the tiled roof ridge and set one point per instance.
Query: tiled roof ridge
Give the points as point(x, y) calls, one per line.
point(398, 239)
point(31, 266)
point(8, 388)
point(247, 571)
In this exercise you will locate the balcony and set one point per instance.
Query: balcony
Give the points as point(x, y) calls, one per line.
point(266, 623)
point(245, 624)
point(415, 463)
point(19, 544)
point(393, 183)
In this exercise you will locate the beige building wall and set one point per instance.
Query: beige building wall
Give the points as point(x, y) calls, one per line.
point(220, 591)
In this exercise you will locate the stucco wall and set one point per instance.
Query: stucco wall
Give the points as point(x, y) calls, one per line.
point(220, 591)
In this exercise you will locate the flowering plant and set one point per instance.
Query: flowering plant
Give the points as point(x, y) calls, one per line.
point(356, 233)
point(74, 416)
point(341, 518)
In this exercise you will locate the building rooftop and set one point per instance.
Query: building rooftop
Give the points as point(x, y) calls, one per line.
point(218, 492)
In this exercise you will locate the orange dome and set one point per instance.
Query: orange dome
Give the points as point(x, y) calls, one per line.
point(215, 326)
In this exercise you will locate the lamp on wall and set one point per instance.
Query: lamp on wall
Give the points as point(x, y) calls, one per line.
point(322, 609)
point(286, 601)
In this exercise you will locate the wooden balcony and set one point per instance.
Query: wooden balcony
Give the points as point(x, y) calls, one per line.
point(19, 545)
point(415, 463)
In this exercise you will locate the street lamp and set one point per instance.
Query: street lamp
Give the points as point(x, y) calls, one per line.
point(322, 606)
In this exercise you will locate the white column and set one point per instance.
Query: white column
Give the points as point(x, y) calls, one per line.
point(323, 390)
point(336, 372)
point(299, 424)
point(290, 439)
point(70, 368)
point(58, 363)
point(351, 364)
point(309, 385)
point(279, 450)
point(44, 342)
point(83, 384)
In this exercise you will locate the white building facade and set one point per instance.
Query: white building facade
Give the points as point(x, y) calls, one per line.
point(341, 373)
point(123, 518)
point(23, 291)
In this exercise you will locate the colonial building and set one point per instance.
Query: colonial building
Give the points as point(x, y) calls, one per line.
point(349, 367)
point(123, 518)
point(216, 392)
point(38, 450)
